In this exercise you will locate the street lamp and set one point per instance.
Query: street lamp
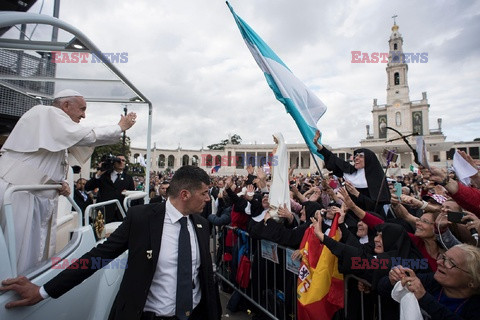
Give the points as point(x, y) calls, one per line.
point(124, 151)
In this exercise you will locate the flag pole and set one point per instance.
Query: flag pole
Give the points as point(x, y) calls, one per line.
point(316, 164)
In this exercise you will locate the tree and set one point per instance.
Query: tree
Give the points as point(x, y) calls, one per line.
point(235, 139)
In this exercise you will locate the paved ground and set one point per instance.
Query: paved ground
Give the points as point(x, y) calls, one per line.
point(241, 315)
point(224, 297)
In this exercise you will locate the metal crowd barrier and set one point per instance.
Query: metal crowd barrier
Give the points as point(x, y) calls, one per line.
point(129, 196)
point(272, 287)
point(351, 277)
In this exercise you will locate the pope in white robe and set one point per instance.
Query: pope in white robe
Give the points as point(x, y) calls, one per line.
point(36, 152)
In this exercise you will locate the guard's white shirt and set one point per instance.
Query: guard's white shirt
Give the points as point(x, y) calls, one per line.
point(114, 175)
point(161, 298)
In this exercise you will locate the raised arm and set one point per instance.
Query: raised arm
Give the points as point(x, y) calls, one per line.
point(332, 162)
point(401, 211)
point(299, 195)
point(349, 204)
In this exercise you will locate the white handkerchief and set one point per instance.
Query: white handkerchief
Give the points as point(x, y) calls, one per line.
point(409, 308)
point(422, 152)
point(463, 169)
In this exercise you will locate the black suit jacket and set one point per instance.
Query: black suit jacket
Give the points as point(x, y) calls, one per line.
point(158, 199)
point(109, 190)
point(80, 201)
point(142, 231)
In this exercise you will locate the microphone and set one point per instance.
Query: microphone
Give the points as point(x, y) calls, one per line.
point(474, 233)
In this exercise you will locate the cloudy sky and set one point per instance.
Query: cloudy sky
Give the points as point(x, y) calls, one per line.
point(189, 59)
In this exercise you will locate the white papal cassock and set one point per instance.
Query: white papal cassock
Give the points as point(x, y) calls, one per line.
point(36, 152)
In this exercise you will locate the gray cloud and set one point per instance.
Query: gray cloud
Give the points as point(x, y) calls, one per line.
point(189, 59)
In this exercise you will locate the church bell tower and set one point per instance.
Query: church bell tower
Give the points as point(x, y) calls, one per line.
point(399, 112)
point(408, 117)
point(397, 70)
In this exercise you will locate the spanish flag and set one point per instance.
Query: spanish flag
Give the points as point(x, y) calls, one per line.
point(320, 290)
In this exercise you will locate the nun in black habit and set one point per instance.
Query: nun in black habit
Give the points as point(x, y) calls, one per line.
point(391, 244)
point(366, 175)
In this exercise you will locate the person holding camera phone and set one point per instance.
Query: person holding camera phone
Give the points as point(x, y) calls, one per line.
point(456, 226)
point(36, 152)
point(111, 180)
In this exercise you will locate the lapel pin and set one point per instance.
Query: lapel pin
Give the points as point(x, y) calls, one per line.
point(149, 254)
point(199, 226)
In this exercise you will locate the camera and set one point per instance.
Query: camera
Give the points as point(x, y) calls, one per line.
point(455, 217)
point(108, 161)
point(292, 183)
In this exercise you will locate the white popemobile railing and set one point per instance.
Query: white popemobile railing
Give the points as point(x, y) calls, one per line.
point(8, 211)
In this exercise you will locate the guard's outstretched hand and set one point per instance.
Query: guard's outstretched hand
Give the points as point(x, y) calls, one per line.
point(29, 292)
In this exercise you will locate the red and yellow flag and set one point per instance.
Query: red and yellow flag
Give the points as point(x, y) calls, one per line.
point(320, 290)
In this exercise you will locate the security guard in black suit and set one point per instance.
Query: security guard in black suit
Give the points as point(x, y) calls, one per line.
point(111, 183)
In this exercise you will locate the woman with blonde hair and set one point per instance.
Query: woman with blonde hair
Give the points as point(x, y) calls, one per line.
point(452, 292)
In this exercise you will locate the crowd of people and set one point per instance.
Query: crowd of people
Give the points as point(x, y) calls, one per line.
point(423, 225)
point(426, 250)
